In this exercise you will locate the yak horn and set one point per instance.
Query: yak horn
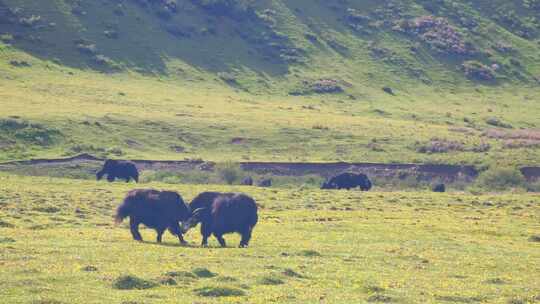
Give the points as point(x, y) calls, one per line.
point(198, 210)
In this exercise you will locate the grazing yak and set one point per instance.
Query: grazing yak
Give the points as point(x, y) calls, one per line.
point(248, 181)
point(159, 210)
point(119, 169)
point(348, 180)
point(267, 182)
point(223, 213)
point(439, 188)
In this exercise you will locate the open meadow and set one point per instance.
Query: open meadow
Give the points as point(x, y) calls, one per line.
point(59, 244)
point(289, 95)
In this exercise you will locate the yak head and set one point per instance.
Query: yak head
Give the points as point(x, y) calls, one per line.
point(108, 166)
point(196, 217)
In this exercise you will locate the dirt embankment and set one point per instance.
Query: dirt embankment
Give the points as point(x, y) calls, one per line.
point(446, 173)
point(427, 172)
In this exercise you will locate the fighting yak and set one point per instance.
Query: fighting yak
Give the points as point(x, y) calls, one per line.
point(223, 213)
point(348, 180)
point(159, 210)
point(119, 169)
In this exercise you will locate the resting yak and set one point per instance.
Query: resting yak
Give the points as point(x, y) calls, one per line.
point(159, 210)
point(348, 180)
point(119, 169)
point(223, 213)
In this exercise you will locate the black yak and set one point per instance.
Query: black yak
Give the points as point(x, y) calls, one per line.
point(159, 210)
point(248, 181)
point(348, 180)
point(439, 188)
point(267, 182)
point(203, 200)
point(223, 213)
point(119, 169)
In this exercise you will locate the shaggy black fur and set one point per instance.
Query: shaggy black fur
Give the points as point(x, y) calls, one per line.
point(159, 210)
point(119, 169)
point(348, 180)
point(223, 213)
point(439, 188)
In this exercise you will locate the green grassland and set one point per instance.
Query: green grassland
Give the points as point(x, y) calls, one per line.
point(58, 244)
point(270, 80)
point(128, 115)
point(218, 87)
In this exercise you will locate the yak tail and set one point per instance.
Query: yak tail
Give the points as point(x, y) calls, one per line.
point(122, 212)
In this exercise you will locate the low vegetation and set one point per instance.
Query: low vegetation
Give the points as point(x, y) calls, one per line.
point(497, 178)
point(393, 247)
point(218, 82)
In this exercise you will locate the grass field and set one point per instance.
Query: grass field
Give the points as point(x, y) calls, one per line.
point(130, 116)
point(58, 244)
point(397, 81)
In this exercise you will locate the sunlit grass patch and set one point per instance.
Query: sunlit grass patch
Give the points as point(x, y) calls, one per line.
point(405, 247)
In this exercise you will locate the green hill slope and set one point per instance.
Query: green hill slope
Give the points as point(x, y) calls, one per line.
point(271, 80)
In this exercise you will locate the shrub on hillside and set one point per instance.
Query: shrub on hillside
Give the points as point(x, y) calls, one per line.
point(228, 78)
point(494, 121)
point(31, 21)
point(6, 38)
point(512, 21)
point(436, 32)
point(30, 133)
point(503, 47)
point(105, 62)
point(233, 8)
point(477, 71)
point(229, 172)
point(320, 86)
point(12, 124)
point(87, 48)
point(497, 178)
point(439, 145)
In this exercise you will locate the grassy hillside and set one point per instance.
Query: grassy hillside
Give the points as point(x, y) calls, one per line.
point(57, 238)
point(271, 80)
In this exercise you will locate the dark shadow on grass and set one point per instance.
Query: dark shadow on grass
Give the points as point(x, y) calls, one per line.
point(209, 291)
point(130, 282)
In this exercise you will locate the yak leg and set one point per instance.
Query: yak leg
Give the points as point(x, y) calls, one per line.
point(175, 229)
point(220, 239)
point(134, 227)
point(160, 234)
point(181, 239)
point(204, 242)
point(206, 231)
point(246, 236)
